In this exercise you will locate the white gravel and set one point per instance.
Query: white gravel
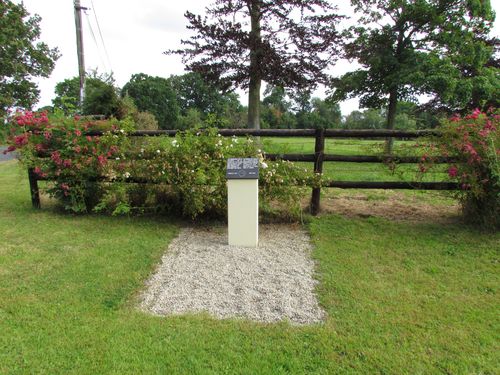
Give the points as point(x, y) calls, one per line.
point(201, 273)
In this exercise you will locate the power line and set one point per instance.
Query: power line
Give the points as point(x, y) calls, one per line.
point(100, 35)
point(95, 41)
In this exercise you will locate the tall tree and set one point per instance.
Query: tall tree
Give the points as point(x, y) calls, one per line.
point(241, 43)
point(407, 48)
point(275, 109)
point(101, 96)
point(276, 97)
point(368, 119)
point(154, 95)
point(325, 114)
point(22, 56)
point(475, 79)
point(193, 91)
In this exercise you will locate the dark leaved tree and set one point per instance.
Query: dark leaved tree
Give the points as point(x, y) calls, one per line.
point(240, 43)
point(101, 97)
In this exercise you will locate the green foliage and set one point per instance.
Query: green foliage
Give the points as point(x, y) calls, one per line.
point(284, 110)
point(410, 48)
point(325, 114)
point(145, 121)
point(23, 57)
point(475, 142)
point(183, 101)
point(102, 99)
point(193, 92)
point(187, 173)
point(275, 109)
point(405, 118)
point(466, 79)
point(156, 96)
point(142, 120)
point(368, 119)
point(101, 96)
point(315, 112)
point(276, 97)
point(191, 120)
point(67, 94)
point(3, 134)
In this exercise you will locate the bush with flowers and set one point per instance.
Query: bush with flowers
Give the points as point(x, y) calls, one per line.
point(474, 141)
point(115, 173)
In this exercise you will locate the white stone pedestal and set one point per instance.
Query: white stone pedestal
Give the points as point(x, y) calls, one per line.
point(243, 212)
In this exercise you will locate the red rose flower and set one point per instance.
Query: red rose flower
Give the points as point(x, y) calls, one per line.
point(452, 171)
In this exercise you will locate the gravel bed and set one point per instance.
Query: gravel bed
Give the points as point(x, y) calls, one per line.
point(201, 273)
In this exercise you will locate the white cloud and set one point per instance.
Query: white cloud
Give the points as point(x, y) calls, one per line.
point(165, 19)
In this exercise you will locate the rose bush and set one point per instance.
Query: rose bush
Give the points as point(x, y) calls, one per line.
point(114, 173)
point(474, 141)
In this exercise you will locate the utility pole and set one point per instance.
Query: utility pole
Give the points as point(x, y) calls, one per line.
point(79, 47)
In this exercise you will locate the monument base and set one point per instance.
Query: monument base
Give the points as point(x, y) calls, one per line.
point(243, 212)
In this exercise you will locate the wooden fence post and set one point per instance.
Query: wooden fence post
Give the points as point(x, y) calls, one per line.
point(319, 152)
point(35, 192)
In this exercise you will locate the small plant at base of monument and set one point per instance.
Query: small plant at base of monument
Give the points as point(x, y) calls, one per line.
point(187, 173)
point(474, 140)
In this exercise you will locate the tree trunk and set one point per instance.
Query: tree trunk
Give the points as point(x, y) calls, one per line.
point(393, 95)
point(255, 61)
point(391, 119)
point(254, 103)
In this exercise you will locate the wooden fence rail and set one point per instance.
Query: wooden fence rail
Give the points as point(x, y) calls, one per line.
point(328, 133)
point(318, 158)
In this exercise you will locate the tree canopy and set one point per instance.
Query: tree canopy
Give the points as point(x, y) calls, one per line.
point(241, 43)
point(372, 118)
point(408, 48)
point(180, 101)
point(192, 91)
point(101, 96)
point(23, 57)
point(154, 95)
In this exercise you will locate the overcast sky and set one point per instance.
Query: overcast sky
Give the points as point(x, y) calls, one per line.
point(135, 34)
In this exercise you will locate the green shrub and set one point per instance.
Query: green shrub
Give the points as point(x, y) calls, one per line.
point(145, 121)
point(3, 134)
point(184, 175)
point(474, 141)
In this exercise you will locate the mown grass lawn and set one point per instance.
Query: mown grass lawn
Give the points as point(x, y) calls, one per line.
point(400, 297)
point(342, 171)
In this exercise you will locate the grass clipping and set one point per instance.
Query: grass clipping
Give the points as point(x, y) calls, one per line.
point(201, 273)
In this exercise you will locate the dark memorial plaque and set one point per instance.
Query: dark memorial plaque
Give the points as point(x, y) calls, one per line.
point(242, 168)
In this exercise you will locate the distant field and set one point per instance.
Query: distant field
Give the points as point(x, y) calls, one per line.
point(342, 171)
point(355, 171)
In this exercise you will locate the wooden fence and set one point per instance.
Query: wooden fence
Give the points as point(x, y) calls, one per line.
point(318, 157)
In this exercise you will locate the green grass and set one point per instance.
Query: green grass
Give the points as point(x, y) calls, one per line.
point(421, 298)
point(341, 171)
point(401, 299)
point(3, 135)
point(305, 145)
